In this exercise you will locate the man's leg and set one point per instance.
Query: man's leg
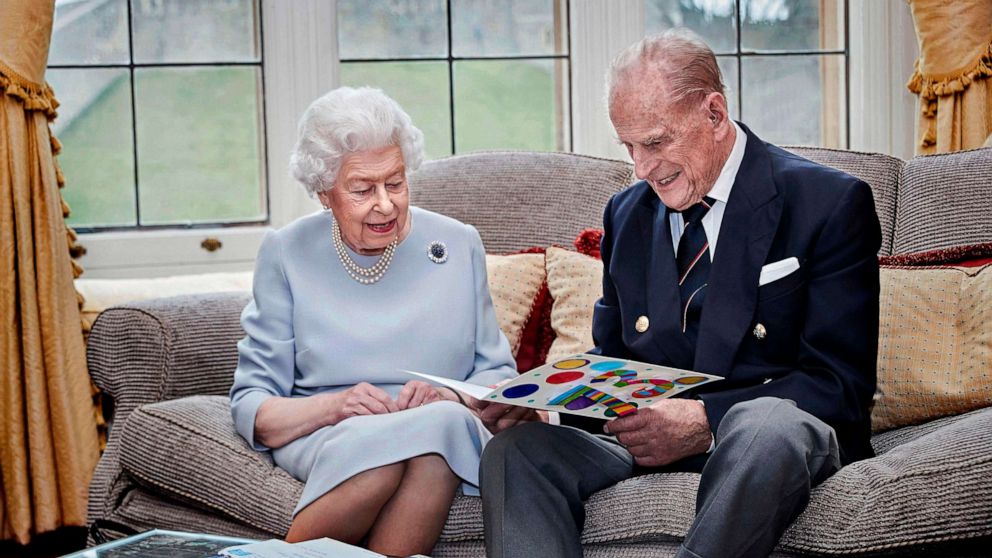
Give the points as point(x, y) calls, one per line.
point(768, 457)
point(534, 480)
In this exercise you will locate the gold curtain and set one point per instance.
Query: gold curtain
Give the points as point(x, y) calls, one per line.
point(952, 76)
point(49, 444)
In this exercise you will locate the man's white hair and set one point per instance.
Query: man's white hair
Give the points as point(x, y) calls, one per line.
point(686, 62)
point(346, 120)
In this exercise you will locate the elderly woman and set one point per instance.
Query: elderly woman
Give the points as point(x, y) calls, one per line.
point(344, 300)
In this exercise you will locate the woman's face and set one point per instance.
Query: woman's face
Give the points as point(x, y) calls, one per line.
point(370, 199)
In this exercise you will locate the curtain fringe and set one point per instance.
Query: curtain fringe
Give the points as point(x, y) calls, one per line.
point(931, 87)
point(34, 96)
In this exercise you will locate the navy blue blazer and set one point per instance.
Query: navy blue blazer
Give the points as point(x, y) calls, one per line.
point(821, 321)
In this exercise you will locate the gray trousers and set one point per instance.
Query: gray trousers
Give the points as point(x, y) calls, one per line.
point(769, 455)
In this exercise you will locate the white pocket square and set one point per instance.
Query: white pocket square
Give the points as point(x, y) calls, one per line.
point(777, 270)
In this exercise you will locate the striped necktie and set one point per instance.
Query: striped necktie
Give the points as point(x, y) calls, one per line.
point(693, 260)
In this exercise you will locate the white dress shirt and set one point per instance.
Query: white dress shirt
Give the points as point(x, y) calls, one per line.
point(720, 192)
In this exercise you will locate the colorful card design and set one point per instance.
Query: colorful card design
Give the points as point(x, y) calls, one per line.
point(588, 385)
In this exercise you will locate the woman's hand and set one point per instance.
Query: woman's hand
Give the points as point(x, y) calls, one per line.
point(416, 393)
point(364, 399)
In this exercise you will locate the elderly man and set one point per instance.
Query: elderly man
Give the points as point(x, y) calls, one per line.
point(731, 257)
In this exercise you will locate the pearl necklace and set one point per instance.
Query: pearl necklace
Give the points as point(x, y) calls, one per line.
point(364, 275)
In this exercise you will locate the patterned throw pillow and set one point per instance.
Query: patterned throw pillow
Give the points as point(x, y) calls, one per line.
point(514, 283)
point(575, 282)
point(935, 341)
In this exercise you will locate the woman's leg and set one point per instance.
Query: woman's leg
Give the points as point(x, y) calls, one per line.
point(347, 512)
point(411, 521)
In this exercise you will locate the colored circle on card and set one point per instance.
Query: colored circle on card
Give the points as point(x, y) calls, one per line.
point(579, 403)
point(523, 390)
point(570, 363)
point(690, 380)
point(607, 365)
point(563, 377)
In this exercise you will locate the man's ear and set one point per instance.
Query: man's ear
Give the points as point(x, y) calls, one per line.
point(715, 105)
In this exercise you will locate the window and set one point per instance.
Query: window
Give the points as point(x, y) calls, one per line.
point(783, 61)
point(162, 112)
point(473, 74)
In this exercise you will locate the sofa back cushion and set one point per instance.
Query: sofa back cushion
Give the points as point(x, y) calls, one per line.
point(944, 201)
point(881, 172)
point(520, 199)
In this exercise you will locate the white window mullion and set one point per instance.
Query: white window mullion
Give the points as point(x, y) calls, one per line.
point(599, 31)
point(301, 64)
point(883, 49)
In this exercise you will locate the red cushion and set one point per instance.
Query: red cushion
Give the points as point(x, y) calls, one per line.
point(588, 242)
point(969, 255)
point(535, 341)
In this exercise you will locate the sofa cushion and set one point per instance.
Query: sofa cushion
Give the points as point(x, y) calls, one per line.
point(881, 172)
point(944, 201)
point(935, 343)
point(514, 283)
point(575, 282)
point(520, 199)
point(189, 450)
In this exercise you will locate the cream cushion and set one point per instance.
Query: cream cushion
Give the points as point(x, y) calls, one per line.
point(934, 345)
point(513, 283)
point(100, 294)
point(575, 282)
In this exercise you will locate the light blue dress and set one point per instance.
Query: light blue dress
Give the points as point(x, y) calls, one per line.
point(313, 329)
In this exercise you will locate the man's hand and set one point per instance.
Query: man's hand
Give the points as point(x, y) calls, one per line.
point(416, 393)
point(664, 432)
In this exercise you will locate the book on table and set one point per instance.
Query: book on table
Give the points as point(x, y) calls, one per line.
point(587, 385)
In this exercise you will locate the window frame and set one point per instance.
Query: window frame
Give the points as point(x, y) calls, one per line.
point(881, 43)
point(451, 59)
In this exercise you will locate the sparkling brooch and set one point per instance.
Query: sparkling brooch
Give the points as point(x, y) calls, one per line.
point(437, 252)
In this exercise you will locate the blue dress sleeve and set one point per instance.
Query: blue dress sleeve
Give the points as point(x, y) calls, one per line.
point(493, 356)
point(266, 355)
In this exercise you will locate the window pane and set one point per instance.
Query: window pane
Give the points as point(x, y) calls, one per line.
point(508, 27)
point(728, 69)
point(519, 104)
point(796, 100)
point(392, 28)
point(94, 126)
point(421, 88)
point(194, 31)
point(199, 147)
point(89, 33)
point(792, 25)
point(713, 20)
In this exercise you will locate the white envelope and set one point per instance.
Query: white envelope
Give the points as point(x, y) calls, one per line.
point(777, 270)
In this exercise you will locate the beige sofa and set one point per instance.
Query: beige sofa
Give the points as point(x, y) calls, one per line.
point(174, 460)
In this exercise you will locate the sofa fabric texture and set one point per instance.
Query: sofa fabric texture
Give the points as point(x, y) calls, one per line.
point(174, 460)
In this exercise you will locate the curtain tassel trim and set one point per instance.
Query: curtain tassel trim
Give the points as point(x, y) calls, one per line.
point(931, 87)
point(40, 97)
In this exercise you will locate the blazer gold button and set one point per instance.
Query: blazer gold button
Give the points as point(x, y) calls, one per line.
point(641, 325)
point(760, 332)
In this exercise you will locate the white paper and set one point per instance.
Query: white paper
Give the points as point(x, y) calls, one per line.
point(475, 390)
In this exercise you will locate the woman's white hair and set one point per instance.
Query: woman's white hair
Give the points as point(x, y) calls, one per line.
point(346, 120)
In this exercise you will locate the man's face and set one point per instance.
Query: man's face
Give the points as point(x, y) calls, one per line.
point(674, 148)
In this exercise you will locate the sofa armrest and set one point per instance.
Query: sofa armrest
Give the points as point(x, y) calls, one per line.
point(166, 348)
